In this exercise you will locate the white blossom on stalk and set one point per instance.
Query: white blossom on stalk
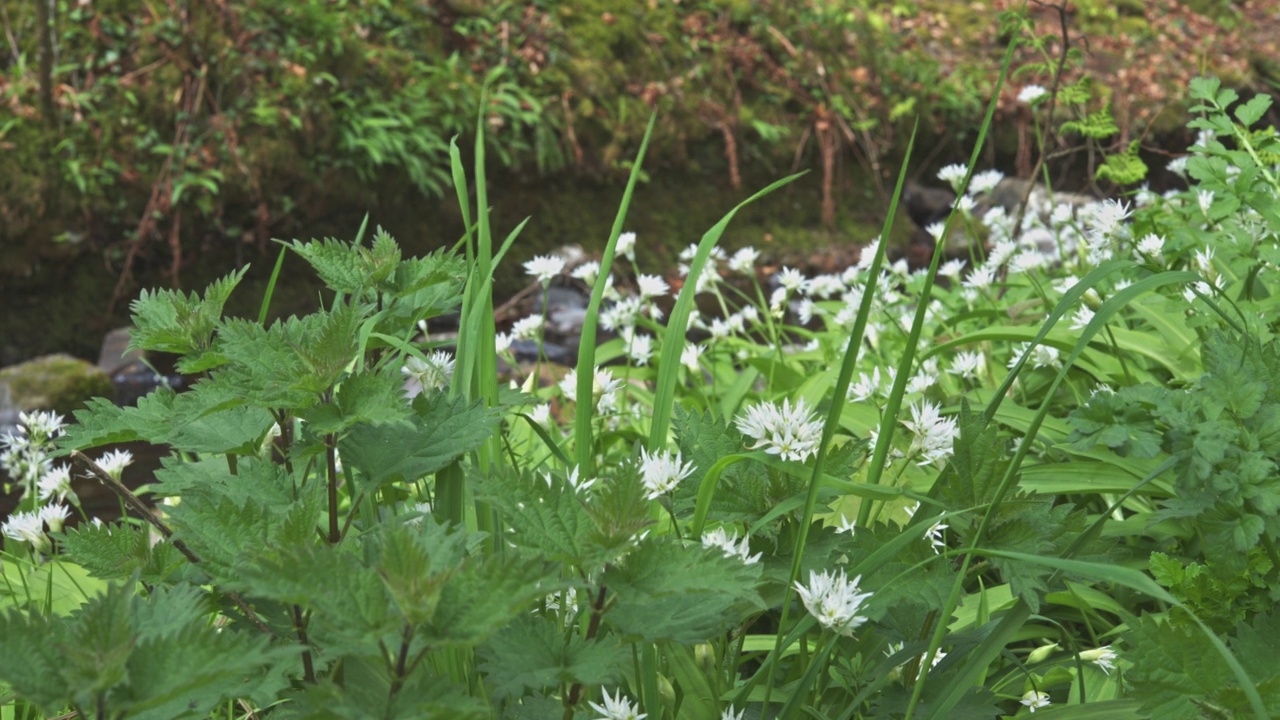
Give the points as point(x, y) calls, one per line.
point(868, 254)
point(1178, 166)
point(968, 364)
point(115, 461)
point(834, 600)
point(1082, 318)
point(866, 387)
point(730, 545)
point(617, 708)
point(934, 434)
point(56, 484)
point(953, 175)
point(935, 230)
point(1151, 245)
point(527, 328)
point(544, 267)
point(690, 354)
point(985, 181)
point(791, 432)
point(793, 280)
point(28, 527)
point(541, 414)
point(1030, 94)
point(1204, 198)
point(627, 245)
point(639, 347)
point(662, 471)
point(54, 515)
point(652, 286)
point(1035, 700)
point(951, 268)
point(587, 272)
point(744, 261)
point(604, 388)
point(980, 279)
point(730, 714)
point(1042, 356)
point(433, 373)
point(1104, 657)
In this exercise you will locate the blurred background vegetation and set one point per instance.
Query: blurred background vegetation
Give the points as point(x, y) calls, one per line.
point(164, 142)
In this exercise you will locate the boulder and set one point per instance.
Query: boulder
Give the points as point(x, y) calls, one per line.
point(60, 383)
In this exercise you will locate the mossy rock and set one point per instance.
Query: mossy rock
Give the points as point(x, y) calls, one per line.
point(60, 383)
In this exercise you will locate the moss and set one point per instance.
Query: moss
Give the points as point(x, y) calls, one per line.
point(59, 383)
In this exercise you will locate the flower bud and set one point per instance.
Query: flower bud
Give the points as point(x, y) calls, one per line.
point(1041, 653)
point(705, 657)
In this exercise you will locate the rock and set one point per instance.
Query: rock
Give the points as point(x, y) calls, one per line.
point(60, 383)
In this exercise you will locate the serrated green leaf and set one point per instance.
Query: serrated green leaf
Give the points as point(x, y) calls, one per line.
point(683, 594)
point(440, 430)
point(168, 321)
point(533, 653)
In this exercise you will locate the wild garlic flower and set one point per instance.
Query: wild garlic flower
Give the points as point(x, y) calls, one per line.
point(690, 354)
point(730, 545)
point(744, 261)
point(1178, 166)
point(866, 387)
point(968, 364)
point(1204, 198)
point(1030, 94)
point(541, 414)
point(952, 269)
point(834, 601)
point(935, 230)
point(985, 181)
point(604, 389)
point(868, 254)
point(980, 279)
point(627, 245)
point(1082, 318)
point(652, 286)
point(791, 432)
point(730, 714)
point(54, 515)
point(934, 434)
point(433, 373)
point(527, 328)
point(618, 708)
point(56, 484)
point(1034, 700)
point(544, 267)
point(793, 280)
point(587, 272)
point(639, 347)
point(661, 472)
point(1042, 356)
point(1104, 657)
point(28, 527)
point(572, 479)
point(1151, 245)
point(953, 175)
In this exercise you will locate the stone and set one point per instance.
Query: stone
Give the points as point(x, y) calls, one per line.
point(60, 383)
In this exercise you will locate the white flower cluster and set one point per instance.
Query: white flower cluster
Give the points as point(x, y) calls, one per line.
point(433, 373)
point(662, 471)
point(791, 432)
point(834, 601)
point(730, 545)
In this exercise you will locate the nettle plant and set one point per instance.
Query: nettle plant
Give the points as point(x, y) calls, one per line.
point(846, 496)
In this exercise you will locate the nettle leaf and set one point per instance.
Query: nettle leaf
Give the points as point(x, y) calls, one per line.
point(439, 430)
point(375, 397)
point(226, 521)
point(337, 263)
point(534, 653)
point(100, 638)
point(1030, 525)
point(684, 594)
point(1235, 376)
point(168, 321)
point(548, 519)
point(292, 363)
point(31, 658)
point(414, 566)
point(351, 611)
point(483, 595)
point(976, 468)
point(366, 692)
point(116, 552)
point(1175, 668)
point(206, 419)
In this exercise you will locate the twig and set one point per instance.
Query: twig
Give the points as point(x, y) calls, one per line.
point(139, 507)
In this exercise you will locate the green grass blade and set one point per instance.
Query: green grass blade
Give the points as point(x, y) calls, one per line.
point(271, 287)
point(674, 339)
point(583, 444)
